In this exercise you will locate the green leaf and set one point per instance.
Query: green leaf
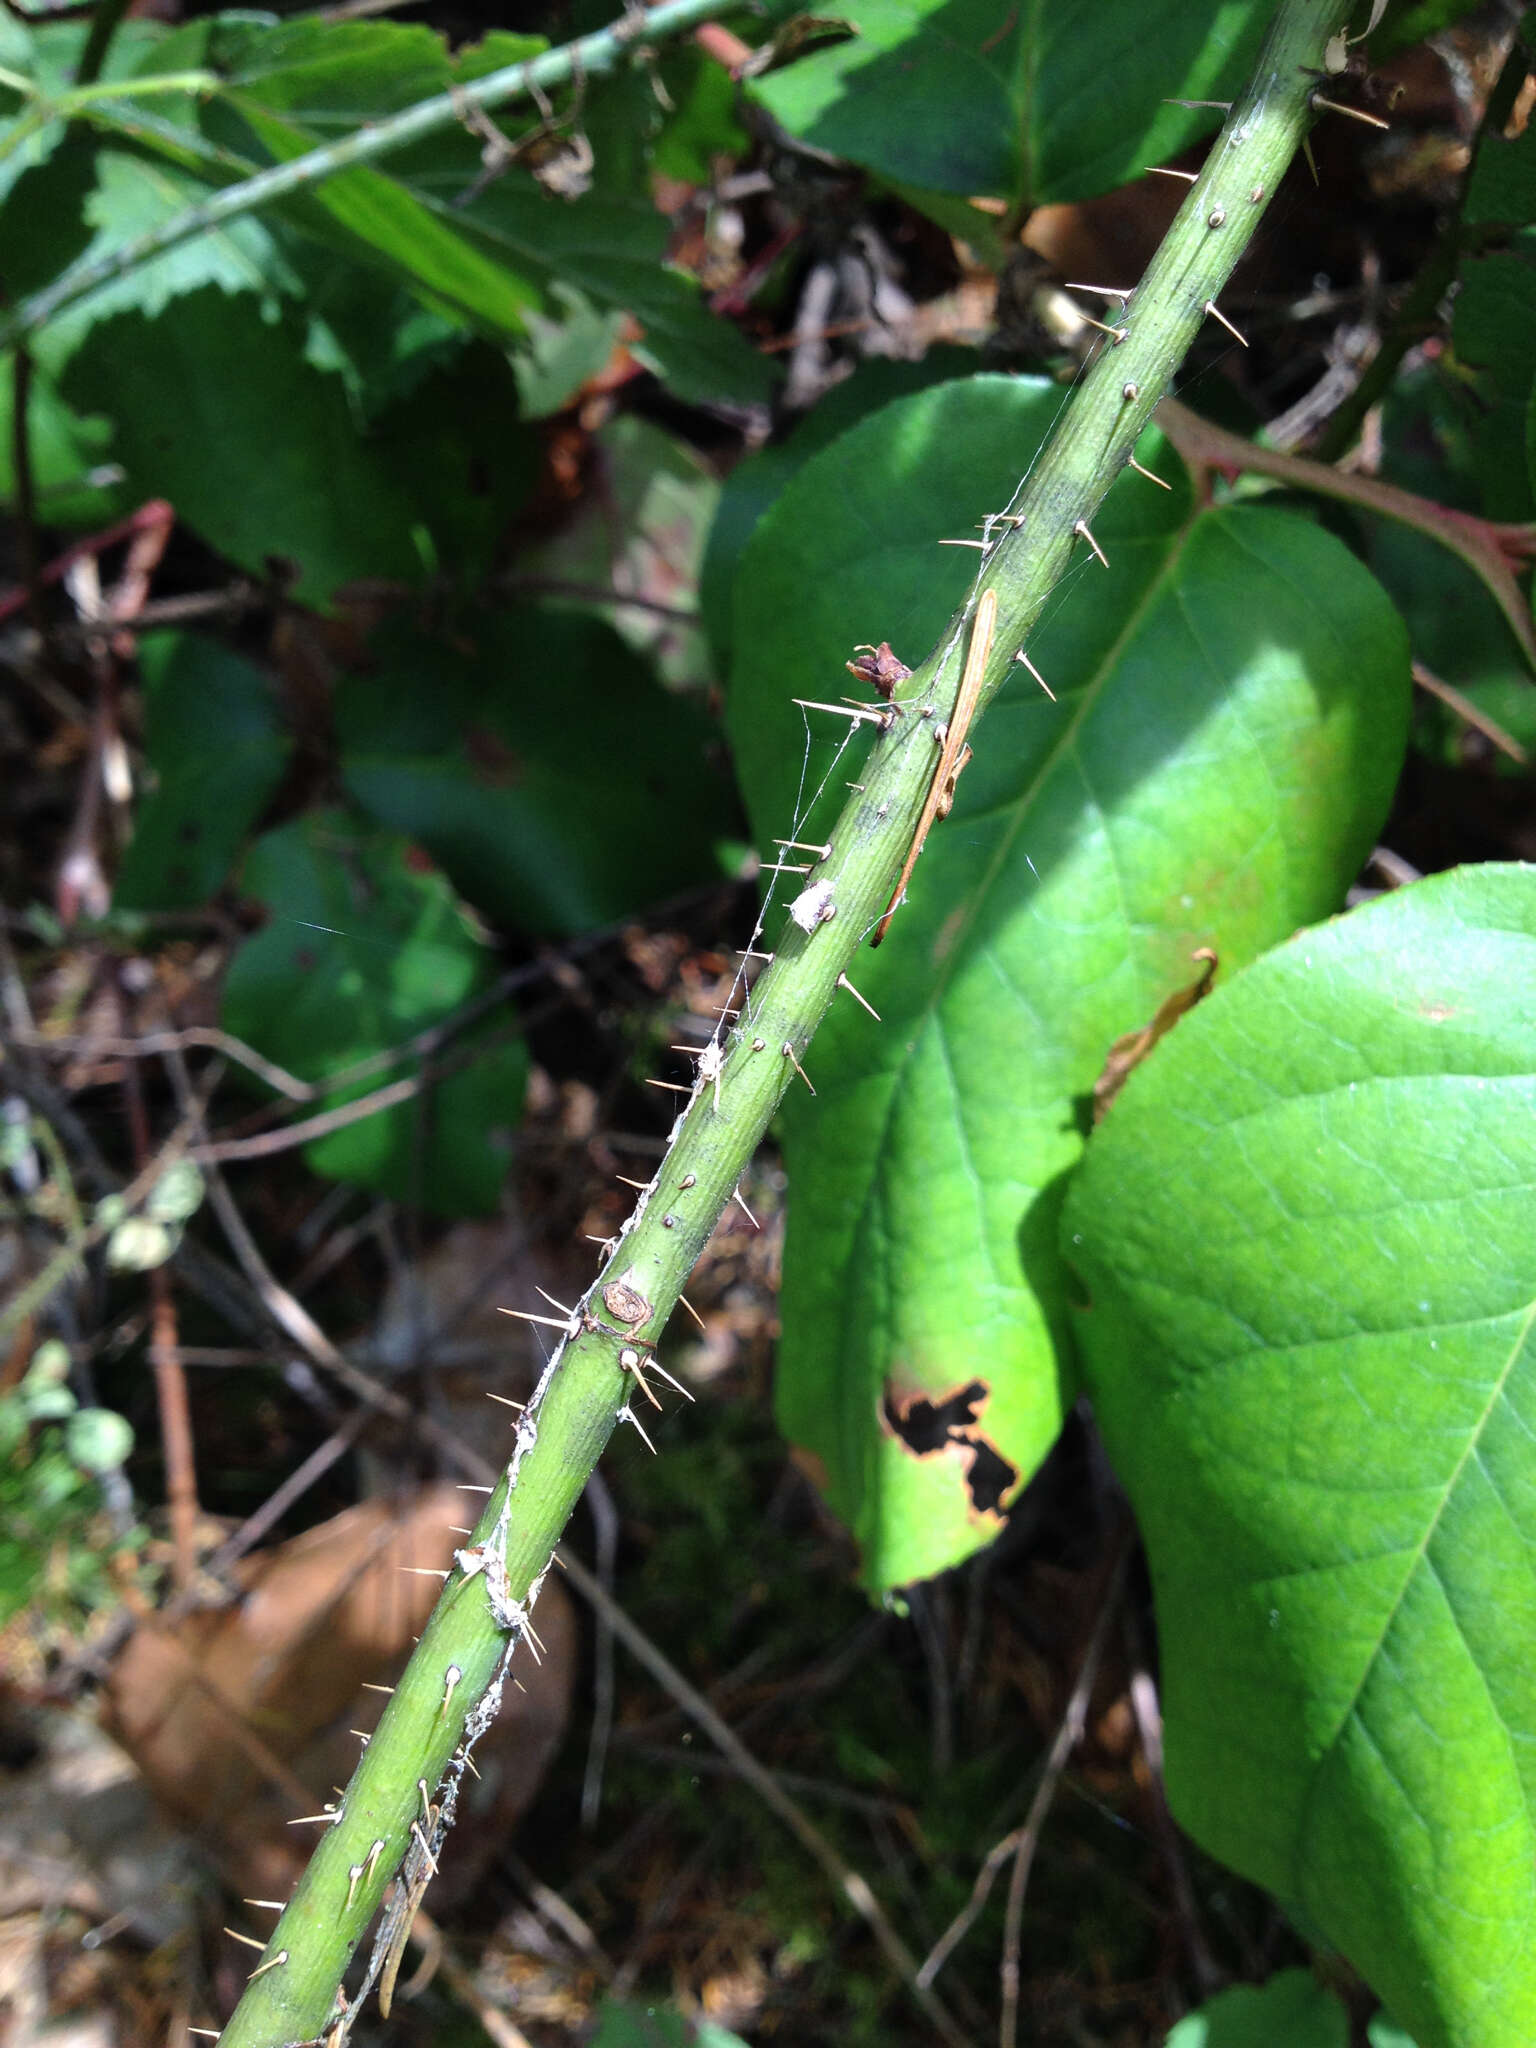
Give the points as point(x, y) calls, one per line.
point(217, 411)
point(1231, 714)
point(387, 223)
point(755, 482)
point(1291, 2011)
point(216, 751)
point(613, 249)
point(703, 125)
point(562, 354)
point(461, 458)
point(539, 762)
point(1456, 629)
point(493, 257)
point(1305, 1233)
point(366, 948)
point(42, 220)
point(130, 195)
point(1495, 310)
point(1062, 98)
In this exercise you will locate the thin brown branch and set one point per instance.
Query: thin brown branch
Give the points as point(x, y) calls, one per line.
point(1488, 547)
point(1019, 1843)
point(1468, 713)
point(174, 1410)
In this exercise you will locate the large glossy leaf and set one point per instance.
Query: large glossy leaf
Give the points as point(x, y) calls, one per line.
point(539, 762)
point(1062, 98)
point(1230, 719)
point(365, 948)
point(1306, 1234)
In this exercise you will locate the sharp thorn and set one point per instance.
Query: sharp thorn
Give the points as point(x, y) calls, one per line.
point(840, 711)
point(1151, 475)
point(747, 952)
point(1040, 679)
point(736, 1197)
point(272, 1905)
point(672, 1088)
point(469, 1486)
point(982, 544)
point(1162, 171)
point(305, 1820)
point(421, 1843)
point(672, 1381)
point(362, 1735)
point(789, 1053)
point(1216, 313)
point(249, 1939)
point(803, 846)
point(261, 1968)
point(639, 1185)
point(505, 1401)
point(687, 1304)
point(629, 1362)
point(458, 1529)
point(211, 2032)
point(527, 1316)
point(1081, 530)
point(785, 867)
point(552, 1301)
point(1224, 105)
point(628, 1415)
point(1353, 113)
point(1103, 291)
point(1117, 334)
point(844, 982)
point(423, 1571)
point(369, 1686)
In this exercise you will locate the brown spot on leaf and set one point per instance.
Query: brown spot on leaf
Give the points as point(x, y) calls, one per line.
point(930, 1428)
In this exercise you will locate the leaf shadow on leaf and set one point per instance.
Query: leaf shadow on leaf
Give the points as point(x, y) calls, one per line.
point(1061, 103)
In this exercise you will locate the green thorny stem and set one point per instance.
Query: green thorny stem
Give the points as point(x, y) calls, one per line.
point(394, 1815)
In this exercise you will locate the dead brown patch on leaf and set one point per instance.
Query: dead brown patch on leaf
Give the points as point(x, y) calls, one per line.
point(949, 1425)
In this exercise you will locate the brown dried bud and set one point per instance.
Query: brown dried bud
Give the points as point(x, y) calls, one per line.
point(878, 667)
